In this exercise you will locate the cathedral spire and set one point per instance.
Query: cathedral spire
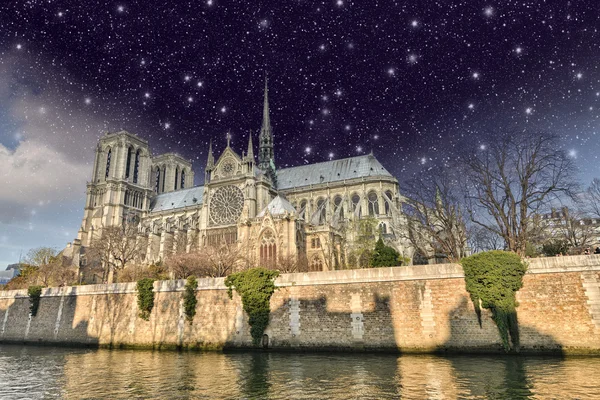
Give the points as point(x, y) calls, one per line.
point(250, 153)
point(211, 159)
point(266, 155)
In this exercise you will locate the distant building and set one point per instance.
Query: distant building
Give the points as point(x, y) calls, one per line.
point(578, 230)
point(11, 271)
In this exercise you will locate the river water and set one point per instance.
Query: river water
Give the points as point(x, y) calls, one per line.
point(44, 372)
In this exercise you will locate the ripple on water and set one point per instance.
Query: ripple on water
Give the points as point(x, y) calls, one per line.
point(41, 372)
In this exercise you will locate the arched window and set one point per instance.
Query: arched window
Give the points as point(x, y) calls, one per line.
point(127, 195)
point(108, 157)
point(373, 203)
point(322, 210)
point(389, 198)
point(176, 178)
point(157, 185)
point(339, 207)
point(128, 164)
point(316, 264)
point(163, 176)
point(136, 167)
point(356, 205)
point(268, 249)
point(302, 209)
point(182, 186)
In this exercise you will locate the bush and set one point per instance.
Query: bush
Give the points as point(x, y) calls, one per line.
point(255, 286)
point(384, 256)
point(35, 293)
point(492, 279)
point(145, 289)
point(189, 298)
point(555, 247)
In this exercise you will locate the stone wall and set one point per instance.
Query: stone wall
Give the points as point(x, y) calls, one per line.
point(410, 309)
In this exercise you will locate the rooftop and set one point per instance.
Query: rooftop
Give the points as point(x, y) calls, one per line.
point(177, 199)
point(330, 171)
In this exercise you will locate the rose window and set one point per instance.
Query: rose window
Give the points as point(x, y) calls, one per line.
point(226, 205)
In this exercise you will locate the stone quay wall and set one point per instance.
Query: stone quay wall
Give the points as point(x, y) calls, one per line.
point(407, 309)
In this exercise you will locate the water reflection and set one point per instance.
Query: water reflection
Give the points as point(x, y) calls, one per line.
point(40, 372)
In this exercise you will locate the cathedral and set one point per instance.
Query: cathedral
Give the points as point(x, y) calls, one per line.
point(309, 215)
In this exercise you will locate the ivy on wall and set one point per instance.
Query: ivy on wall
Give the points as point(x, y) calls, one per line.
point(35, 293)
point(492, 279)
point(189, 298)
point(145, 289)
point(255, 286)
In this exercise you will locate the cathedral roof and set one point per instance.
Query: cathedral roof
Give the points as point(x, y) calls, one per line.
point(330, 171)
point(177, 199)
point(278, 206)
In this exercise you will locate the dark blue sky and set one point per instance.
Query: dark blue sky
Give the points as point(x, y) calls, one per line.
point(416, 82)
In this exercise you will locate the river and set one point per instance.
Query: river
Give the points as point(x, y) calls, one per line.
point(29, 372)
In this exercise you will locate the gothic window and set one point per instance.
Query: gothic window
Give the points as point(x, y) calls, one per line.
point(157, 186)
point(389, 196)
point(182, 185)
point(302, 209)
point(108, 157)
point(315, 243)
point(316, 264)
point(356, 205)
point(339, 207)
point(128, 164)
point(164, 176)
point(226, 205)
point(136, 167)
point(268, 249)
point(373, 203)
point(176, 178)
point(322, 210)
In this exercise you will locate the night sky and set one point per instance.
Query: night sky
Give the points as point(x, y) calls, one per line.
point(417, 82)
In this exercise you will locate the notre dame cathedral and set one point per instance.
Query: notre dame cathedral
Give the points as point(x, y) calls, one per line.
point(310, 213)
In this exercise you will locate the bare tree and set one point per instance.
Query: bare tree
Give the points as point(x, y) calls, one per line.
point(40, 256)
point(114, 248)
point(434, 216)
point(482, 239)
point(517, 175)
point(207, 261)
point(590, 199)
point(572, 227)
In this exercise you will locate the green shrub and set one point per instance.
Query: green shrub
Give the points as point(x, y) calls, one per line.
point(492, 279)
point(255, 286)
point(384, 256)
point(35, 293)
point(145, 289)
point(189, 298)
point(555, 247)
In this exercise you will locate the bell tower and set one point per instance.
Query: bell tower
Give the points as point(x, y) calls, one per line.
point(120, 188)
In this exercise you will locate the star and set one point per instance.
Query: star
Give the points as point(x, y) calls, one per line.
point(87, 100)
point(471, 106)
point(412, 58)
point(482, 147)
point(414, 23)
point(187, 78)
point(167, 125)
point(579, 75)
point(223, 109)
point(528, 110)
point(391, 71)
point(307, 150)
point(475, 75)
point(210, 3)
point(518, 50)
point(200, 84)
point(120, 9)
point(19, 46)
point(190, 99)
point(147, 95)
point(488, 11)
point(60, 14)
point(339, 3)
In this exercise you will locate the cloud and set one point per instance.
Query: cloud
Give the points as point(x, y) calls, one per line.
point(36, 175)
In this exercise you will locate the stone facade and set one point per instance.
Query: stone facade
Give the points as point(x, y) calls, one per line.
point(309, 214)
point(409, 309)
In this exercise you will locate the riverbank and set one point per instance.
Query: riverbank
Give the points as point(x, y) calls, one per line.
point(417, 309)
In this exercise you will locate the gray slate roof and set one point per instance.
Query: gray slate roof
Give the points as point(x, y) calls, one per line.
point(278, 206)
point(330, 171)
point(177, 199)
